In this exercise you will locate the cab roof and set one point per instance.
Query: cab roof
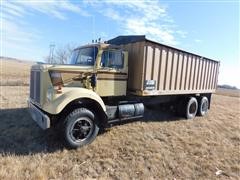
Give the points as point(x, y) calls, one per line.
point(100, 45)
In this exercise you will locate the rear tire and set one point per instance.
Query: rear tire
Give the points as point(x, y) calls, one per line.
point(203, 106)
point(191, 108)
point(79, 128)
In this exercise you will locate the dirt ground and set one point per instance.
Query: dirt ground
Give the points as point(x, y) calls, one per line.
point(160, 146)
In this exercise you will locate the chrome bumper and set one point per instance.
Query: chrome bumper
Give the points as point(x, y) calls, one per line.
point(38, 116)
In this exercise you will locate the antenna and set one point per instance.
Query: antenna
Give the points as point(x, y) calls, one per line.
point(93, 28)
point(51, 47)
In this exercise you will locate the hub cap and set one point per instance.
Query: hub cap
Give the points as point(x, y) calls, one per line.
point(81, 129)
point(205, 106)
point(192, 108)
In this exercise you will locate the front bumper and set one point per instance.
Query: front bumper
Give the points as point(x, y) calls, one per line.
point(38, 116)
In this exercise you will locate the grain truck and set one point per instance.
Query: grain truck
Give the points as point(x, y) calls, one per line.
point(112, 82)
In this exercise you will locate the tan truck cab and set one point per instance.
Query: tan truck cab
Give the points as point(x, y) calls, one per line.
point(95, 72)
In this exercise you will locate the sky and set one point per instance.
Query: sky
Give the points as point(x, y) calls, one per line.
point(208, 28)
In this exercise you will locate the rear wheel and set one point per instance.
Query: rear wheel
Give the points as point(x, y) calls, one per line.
point(203, 106)
point(191, 108)
point(79, 128)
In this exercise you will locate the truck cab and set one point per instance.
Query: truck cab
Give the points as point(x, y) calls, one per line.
point(95, 67)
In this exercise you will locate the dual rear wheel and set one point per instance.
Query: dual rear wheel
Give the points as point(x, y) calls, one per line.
point(195, 107)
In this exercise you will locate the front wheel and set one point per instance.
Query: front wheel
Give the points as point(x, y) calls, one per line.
point(79, 128)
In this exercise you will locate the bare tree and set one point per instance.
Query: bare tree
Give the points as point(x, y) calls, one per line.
point(61, 55)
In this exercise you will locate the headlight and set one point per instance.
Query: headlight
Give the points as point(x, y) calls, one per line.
point(56, 78)
point(57, 81)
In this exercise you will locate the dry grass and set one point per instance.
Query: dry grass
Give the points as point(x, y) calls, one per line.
point(229, 92)
point(14, 73)
point(160, 147)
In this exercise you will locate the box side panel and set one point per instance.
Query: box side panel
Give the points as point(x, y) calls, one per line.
point(216, 76)
point(168, 70)
point(196, 70)
point(135, 65)
point(189, 63)
point(149, 62)
point(173, 71)
point(199, 73)
point(184, 69)
point(156, 63)
point(190, 85)
point(179, 71)
point(210, 76)
point(161, 78)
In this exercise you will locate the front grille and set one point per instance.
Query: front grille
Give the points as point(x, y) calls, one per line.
point(35, 86)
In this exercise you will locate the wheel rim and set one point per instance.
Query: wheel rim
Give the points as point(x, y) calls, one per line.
point(193, 108)
point(204, 106)
point(81, 129)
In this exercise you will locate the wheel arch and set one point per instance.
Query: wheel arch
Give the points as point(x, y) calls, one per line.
point(75, 98)
point(70, 95)
point(88, 103)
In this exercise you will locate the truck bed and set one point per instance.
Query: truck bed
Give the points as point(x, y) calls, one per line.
point(157, 69)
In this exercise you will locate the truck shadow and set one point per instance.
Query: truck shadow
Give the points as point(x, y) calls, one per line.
point(19, 135)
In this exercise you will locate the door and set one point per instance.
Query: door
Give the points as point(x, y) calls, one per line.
point(112, 74)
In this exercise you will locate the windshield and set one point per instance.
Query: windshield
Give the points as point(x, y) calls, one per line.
point(84, 56)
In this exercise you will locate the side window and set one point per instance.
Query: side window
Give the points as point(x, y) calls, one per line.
point(112, 59)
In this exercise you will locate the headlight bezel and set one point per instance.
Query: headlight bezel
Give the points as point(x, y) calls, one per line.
point(56, 78)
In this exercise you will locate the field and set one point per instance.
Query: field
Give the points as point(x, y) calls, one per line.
point(161, 146)
point(14, 72)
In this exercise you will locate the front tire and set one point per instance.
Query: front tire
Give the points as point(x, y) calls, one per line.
point(79, 128)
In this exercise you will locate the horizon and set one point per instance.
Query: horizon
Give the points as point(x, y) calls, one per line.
point(209, 29)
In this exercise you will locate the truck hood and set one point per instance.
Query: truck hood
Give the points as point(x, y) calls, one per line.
point(62, 68)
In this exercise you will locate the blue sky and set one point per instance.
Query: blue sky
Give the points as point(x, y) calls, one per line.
point(208, 28)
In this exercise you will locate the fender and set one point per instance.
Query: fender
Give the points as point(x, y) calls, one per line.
point(69, 95)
